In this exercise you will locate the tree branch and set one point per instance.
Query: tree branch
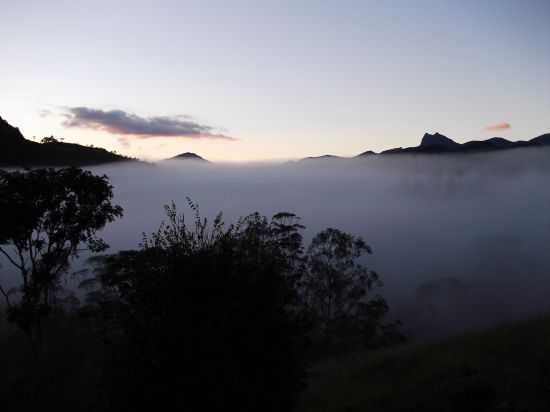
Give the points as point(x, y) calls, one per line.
point(6, 296)
point(20, 267)
point(31, 255)
point(23, 267)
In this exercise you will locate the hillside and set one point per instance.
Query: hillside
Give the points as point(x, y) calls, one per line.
point(16, 151)
point(505, 369)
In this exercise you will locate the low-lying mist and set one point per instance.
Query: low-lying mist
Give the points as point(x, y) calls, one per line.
point(460, 242)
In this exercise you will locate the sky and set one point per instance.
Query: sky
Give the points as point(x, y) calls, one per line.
point(269, 80)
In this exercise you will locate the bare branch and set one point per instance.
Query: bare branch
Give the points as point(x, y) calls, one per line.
point(20, 267)
point(6, 296)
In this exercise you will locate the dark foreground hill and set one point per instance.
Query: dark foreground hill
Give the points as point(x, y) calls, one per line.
point(16, 151)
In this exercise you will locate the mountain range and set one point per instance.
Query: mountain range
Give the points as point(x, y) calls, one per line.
point(16, 151)
point(439, 144)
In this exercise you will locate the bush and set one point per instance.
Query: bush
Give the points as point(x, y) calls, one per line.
point(212, 318)
point(206, 318)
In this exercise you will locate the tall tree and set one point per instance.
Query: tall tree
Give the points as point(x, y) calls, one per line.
point(48, 216)
point(338, 288)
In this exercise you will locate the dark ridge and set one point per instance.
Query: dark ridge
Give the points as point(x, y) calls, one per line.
point(440, 144)
point(16, 151)
point(495, 143)
point(189, 156)
point(543, 139)
point(367, 153)
point(323, 157)
point(391, 151)
point(499, 142)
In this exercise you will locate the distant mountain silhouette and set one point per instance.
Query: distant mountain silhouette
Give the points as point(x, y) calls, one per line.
point(367, 153)
point(323, 157)
point(16, 151)
point(438, 143)
point(189, 156)
point(542, 140)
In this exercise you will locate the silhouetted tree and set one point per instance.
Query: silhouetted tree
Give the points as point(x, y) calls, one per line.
point(337, 288)
point(47, 216)
point(206, 317)
point(49, 139)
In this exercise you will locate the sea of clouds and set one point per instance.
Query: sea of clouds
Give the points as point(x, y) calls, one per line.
point(461, 242)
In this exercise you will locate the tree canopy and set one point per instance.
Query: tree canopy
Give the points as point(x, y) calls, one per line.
point(205, 317)
point(217, 317)
point(338, 289)
point(46, 217)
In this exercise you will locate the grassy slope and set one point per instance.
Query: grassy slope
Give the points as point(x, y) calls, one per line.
point(506, 369)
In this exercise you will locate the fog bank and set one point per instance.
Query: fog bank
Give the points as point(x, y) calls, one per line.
point(460, 241)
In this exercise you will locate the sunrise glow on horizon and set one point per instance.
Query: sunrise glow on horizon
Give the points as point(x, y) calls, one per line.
point(274, 80)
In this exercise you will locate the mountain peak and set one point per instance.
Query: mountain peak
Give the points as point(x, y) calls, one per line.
point(367, 153)
point(189, 156)
point(438, 140)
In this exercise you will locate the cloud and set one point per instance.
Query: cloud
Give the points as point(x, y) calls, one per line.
point(127, 124)
point(499, 126)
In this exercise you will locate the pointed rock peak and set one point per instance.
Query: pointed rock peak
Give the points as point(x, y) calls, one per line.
point(437, 139)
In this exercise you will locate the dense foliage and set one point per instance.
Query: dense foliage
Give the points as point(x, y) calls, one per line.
point(46, 217)
point(337, 289)
point(206, 318)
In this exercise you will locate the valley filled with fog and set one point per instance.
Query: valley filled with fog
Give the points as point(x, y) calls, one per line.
point(460, 242)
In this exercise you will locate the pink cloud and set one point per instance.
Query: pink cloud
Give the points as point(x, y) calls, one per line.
point(499, 126)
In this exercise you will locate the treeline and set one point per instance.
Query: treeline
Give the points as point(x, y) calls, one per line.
point(203, 315)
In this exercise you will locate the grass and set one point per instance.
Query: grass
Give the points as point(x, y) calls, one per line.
point(505, 369)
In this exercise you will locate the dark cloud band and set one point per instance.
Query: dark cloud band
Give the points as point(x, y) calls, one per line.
point(128, 124)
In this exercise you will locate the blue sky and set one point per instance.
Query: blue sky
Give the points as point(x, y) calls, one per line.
point(282, 79)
